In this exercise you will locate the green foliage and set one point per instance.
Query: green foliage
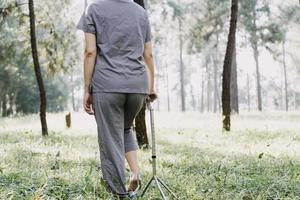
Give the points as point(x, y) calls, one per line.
point(209, 23)
point(56, 36)
point(70, 179)
point(255, 17)
point(57, 55)
point(7, 9)
point(178, 9)
point(27, 100)
point(290, 13)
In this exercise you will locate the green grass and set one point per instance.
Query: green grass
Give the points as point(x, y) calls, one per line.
point(196, 163)
point(27, 173)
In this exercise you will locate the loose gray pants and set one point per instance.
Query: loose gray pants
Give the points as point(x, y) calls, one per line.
point(114, 113)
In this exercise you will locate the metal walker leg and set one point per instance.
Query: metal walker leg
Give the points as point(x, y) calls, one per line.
point(157, 181)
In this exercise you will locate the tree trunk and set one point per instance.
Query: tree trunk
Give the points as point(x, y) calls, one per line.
point(285, 76)
point(10, 110)
point(248, 92)
point(216, 75)
point(258, 85)
point(207, 61)
point(167, 87)
point(166, 72)
point(218, 93)
point(4, 106)
point(182, 89)
point(202, 94)
point(295, 100)
point(256, 55)
point(37, 69)
point(140, 128)
point(215, 84)
point(193, 99)
point(227, 66)
point(72, 91)
point(208, 91)
point(234, 85)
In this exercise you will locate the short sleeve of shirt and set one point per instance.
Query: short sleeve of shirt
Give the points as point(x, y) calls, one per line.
point(86, 22)
point(148, 31)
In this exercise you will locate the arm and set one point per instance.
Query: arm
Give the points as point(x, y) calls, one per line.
point(89, 59)
point(148, 56)
point(89, 64)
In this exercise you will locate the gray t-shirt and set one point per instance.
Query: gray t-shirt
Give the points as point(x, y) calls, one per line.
point(122, 28)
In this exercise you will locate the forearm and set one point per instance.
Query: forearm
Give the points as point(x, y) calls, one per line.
point(89, 64)
point(151, 71)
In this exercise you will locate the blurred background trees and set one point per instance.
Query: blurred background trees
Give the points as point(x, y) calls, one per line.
point(58, 55)
point(189, 39)
point(255, 83)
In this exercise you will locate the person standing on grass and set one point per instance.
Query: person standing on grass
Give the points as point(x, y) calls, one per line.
point(118, 78)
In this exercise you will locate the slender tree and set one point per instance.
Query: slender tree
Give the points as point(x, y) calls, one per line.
point(289, 15)
point(248, 92)
point(165, 66)
point(202, 91)
point(205, 37)
point(181, 65)
point(18, 83)
point(37, 69)
point(254, 39)
point(72, 89)
point(285, 75)
point(252, 14)
point(4, 106)
point(215, 79)
point(226, 107)
point(208, 86)
point(167, 85)
point(178, 14)
point(234, 94)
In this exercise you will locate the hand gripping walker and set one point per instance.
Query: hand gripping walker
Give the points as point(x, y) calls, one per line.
point(158, 182)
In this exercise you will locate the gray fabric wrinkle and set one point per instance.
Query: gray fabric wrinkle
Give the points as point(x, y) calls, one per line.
point(122, 28)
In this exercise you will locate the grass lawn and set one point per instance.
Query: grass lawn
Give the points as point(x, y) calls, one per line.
point(259, 159)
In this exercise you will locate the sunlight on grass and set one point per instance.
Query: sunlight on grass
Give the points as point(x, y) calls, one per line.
point(255, 161)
